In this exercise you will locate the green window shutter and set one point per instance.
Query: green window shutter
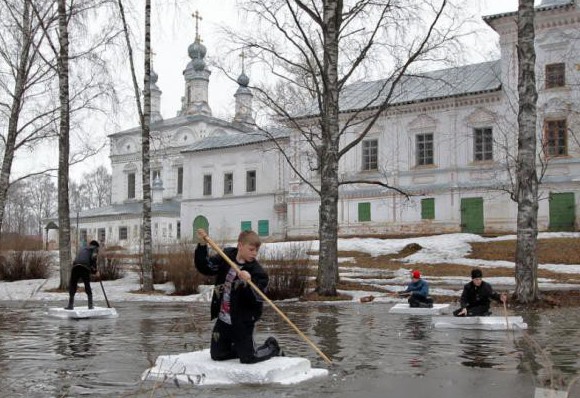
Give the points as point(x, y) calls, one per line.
point(428, 209)
point(263, 228)
point(364, 211)
point(246, 225)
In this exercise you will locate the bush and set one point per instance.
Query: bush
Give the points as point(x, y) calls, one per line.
point(20, 265)
point(177, 267)
point(288, 269)
point(17, 242)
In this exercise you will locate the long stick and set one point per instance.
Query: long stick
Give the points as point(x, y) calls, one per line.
point(257, 290)
point(104, 294)
point(507, 324)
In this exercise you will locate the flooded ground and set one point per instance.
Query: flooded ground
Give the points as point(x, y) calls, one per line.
point(374, 353)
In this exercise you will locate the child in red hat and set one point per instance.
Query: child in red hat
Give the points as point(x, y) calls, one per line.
point(418, 292)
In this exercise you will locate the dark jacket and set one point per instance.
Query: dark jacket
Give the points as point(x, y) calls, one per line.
point(419, 288)
point(87, 258)
point(245, 305)
point(473, 296)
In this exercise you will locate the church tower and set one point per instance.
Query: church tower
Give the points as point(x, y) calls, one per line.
point(155, 97)
point(243, 98)
point(195, 101)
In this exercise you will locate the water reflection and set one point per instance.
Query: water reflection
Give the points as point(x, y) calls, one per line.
point(326, 329)
point(477, 352)
point(73, 339)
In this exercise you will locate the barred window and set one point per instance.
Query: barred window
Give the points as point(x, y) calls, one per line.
point(555, 138)
point(482, 144)
point(424, 149)
point(370, 154)
point(555, 75)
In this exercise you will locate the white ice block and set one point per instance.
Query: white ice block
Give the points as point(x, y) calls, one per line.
point(549, 393)
point(83, 313)
point(198, 368)
point(438, 309)
point(480, 322)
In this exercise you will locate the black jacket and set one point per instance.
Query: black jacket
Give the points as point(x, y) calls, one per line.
point(87, 257)
point(473, 296)
point(246, 305)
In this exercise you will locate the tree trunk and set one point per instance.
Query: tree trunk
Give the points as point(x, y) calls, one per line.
point(145, 142)
point(328, 234)
point(64, 242)
point(527, 179)
point(17, 99)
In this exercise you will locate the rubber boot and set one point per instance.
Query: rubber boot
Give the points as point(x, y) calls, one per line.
point(90, 302)
point(70, 305)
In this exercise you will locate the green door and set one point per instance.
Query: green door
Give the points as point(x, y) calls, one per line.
point(562, 211)
point(472, 215)
point(200, 222)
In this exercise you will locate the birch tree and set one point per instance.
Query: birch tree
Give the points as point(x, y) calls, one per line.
point(527, 179)
point(320, 47)
point(145, 122)
point(28, 108)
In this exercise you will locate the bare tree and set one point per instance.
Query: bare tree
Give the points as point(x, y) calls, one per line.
point(99, 185)
point(28, 109)
point(527, 178)
point(319, 48)
point(41, 192)
point(145, 122)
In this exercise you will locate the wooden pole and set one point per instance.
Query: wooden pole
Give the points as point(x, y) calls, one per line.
point(266, 299)
point(104, 294)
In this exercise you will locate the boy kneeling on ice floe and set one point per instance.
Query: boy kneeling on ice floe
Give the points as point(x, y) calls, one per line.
point(234, 303)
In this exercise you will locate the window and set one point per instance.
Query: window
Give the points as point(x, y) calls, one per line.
point(263, 228)
point(131, 186)
point(251, 181)
point(207, 184)
point(101, 234)
point(555, 75)
point(482, 144)
point(122, 233)
point(83, 237)
point(428, 209)
point(364, 212)
point(555, 138)
point(155, 174)
point(424, 149)
point(228, 183)
point(178, 230)
point(179, 180)
point(370, 154)
point(246, 226)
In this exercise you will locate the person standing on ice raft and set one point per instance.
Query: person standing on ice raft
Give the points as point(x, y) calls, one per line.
point(235, 305)
point(84, 265)
point(476, 296)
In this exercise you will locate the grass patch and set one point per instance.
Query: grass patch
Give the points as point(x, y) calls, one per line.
point(550, 251)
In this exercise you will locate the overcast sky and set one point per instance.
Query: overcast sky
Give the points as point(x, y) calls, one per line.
point(173, 30)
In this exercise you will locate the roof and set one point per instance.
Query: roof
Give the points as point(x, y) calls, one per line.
point(429, 86)
point(546, 5)
point(236, 139)
point(185, 120)
point(134, 208)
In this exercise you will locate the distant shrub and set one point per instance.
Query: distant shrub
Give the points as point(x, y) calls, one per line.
point(288, 269)
point(17, 242)
point(178, 267)
point(21, 265)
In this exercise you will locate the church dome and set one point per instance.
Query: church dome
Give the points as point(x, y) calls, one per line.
point(196, 50)
point(243, 80)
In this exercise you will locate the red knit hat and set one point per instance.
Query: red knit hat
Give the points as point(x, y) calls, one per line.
point(416, 274)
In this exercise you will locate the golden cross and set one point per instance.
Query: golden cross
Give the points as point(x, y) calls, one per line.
point(197, 18)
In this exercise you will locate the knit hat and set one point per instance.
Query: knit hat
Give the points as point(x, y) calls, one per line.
point(476, 273)
point(416, 274)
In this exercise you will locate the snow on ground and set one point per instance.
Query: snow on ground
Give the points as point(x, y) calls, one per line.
point(450, 248)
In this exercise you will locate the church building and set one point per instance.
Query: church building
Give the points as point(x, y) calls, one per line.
point(449, 139)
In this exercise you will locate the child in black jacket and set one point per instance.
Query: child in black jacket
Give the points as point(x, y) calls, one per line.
point(234, 303)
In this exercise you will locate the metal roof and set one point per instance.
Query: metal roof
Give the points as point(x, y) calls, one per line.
point(234, 139)
point(428, 86)
point(134, 208)
point(544, 6)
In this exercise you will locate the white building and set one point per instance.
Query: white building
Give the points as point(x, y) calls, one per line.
point(447, 139)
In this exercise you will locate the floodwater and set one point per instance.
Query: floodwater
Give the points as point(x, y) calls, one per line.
point(374, 353)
